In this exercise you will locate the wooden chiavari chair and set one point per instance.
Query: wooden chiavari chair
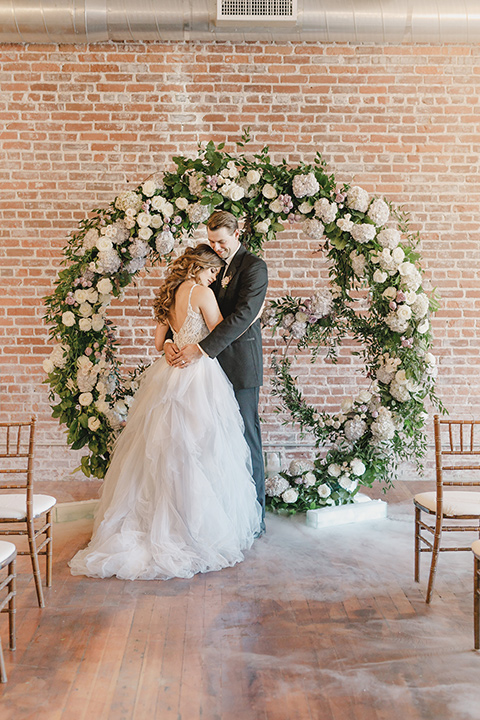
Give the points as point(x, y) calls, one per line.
point(457, 460)
point(8, 554)
point(24, 513)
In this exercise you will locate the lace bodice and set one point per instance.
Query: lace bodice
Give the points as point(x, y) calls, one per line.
point(194, 327)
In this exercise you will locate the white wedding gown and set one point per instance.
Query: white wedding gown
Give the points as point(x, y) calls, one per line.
point(178, 498)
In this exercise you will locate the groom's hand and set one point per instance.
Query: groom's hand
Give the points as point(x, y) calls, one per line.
point(187, 355)
point(171, 352)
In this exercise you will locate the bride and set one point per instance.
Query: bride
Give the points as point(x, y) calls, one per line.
point(178, 498)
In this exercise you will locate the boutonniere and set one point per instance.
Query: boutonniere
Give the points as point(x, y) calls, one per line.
point(225, 281)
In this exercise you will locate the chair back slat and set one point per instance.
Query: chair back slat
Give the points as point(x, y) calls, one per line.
point(455, 440)
point(16, 454)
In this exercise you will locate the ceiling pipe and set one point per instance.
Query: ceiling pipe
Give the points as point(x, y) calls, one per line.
point(356, 21)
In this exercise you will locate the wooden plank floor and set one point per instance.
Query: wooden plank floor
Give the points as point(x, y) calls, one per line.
point(314, 625)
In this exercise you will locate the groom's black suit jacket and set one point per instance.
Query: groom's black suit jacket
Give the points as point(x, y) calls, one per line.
point(237, 341)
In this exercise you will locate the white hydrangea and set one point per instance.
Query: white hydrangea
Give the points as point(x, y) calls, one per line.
point(379, 212)
point(389, 238)
point(138, 248)
point(198, 213)
point(321, 303)
point(357, 198)
point(276, 485)
point(299, 466)
point(305, 185)
point(90, 239)
point(313, 228)
point(363, 232)
point(298, 329)
point(325, 210)
point(383, 428)
point(395, 323)
point(196, 183)
point(355, 428)
point(108, 262)
point(136, 264)
point(129, 200)
point(358, 263)
point(399, 391)
point(420, 306)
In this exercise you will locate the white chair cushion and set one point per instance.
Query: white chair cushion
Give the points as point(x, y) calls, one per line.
point(476, 548)
point(7, 549)
point(14, 506)
point(454, 503)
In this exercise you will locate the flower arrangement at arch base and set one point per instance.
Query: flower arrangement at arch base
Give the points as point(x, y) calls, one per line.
point(375, 296)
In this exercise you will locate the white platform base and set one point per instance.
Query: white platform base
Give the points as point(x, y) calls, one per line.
point(362, 509)
point(69, 511)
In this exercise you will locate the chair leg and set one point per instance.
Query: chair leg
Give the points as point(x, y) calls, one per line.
point(35, 567)
point(417, 544)
point(49, 548)
point(476, 602)
point(12, 589)
point(435, 551)
point(3, 672)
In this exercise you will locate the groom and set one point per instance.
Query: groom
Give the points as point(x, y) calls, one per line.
point(240, 289)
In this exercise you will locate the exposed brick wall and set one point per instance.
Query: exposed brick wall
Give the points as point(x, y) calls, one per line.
point(79, 124)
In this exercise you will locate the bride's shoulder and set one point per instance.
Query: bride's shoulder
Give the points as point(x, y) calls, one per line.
point(202, 294)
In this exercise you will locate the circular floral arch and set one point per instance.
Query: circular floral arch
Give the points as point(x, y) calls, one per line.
point(375, 296)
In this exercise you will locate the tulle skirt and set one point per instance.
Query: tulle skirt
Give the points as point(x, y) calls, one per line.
point(178, 498)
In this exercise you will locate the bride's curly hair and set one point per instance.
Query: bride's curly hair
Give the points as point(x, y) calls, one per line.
point(185, 267)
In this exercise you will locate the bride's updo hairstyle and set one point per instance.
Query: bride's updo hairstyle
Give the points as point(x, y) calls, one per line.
point(185, 267)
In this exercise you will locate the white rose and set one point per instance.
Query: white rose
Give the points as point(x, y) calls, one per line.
point(102, 405)
point(364, 396)
point(120, 407)
point(346, 404)
point(358, 467)
point(104, 286)
point(85, 309)
point(390, 293)
point(410, 296)
point(145, 233)
point(85, 324)
point(149, 187)
point(404, 312)
point(143, 219)
point(92, 295)
point(269, 192)
point(236, 193)
point(93, 423)
point(324, 490)
point(253, 177)
point(401, 377)
point(156, 221)
point(48, 365)
point(97, 322)
point(398, 255)
point(301, 316)
point(276, 206)
point(68, 318)
point(430, 359)
point(262, 227)
point(80, 295)
point(104, 243)
point(423, 327)
point(379, 276)
point(309, 479)
point(305, 208)
point(334, 470)
point(181, 203)
point(85, 399)
point(290, 496)
point(168, 209)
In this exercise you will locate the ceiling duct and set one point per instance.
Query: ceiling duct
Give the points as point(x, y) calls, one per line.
point(356, 21)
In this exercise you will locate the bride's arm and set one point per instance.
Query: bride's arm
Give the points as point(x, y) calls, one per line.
point(208, 306)
point(160, 335)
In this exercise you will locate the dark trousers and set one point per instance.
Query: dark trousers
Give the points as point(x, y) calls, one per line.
point(248, 402)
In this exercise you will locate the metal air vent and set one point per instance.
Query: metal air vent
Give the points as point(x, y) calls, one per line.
point(257, 10)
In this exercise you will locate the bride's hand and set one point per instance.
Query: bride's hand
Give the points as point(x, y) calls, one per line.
point(171, 352)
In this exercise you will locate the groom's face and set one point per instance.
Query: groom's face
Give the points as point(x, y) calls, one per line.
point(224, 243)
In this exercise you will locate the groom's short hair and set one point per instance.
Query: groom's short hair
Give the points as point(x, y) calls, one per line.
point(222, 219)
